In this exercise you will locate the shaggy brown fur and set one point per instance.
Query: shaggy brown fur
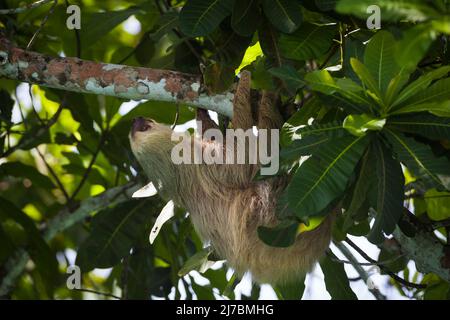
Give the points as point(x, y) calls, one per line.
point(225, 205)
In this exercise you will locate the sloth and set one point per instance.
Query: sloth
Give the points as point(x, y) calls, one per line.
point(225, 203)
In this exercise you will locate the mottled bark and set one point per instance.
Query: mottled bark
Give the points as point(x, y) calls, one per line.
point(122, 81)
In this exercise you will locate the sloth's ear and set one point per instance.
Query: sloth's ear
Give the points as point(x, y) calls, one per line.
point(242, 108)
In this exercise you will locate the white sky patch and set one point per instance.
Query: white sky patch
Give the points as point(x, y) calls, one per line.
point(128, 106)
point(132, 25)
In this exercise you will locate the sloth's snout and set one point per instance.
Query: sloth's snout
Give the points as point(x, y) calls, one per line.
point(140, 124)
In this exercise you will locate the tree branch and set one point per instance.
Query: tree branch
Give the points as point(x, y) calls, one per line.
point(429, 254)
point(362, 273)
point(73, 74)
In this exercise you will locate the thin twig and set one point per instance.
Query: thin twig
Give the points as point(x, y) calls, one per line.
point(89, 168)
point(43, 22)
point(53, 174)
point(99, 293)
point(177, 115)
point(25, 8)
point(43, 129)
point(393, 275)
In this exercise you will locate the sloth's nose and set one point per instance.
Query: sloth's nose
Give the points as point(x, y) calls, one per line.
point(140, 124)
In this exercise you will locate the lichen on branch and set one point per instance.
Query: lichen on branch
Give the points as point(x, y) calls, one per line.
point(135, 83)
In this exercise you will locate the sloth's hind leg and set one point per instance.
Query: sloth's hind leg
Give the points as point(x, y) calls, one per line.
point(268, 115)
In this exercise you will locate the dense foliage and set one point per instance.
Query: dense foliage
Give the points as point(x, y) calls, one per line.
point(370, 107)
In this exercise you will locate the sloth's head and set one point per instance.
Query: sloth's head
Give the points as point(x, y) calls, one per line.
point(151, 144)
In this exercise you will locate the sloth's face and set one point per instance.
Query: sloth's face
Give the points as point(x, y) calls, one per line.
point(148, 137)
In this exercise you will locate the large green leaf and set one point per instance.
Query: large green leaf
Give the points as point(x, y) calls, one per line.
point(419, 158)
point(114, 232)
point(414, 45)
point(201, 17)
point(390, 193)
point(309, 41)
point(293, 290)
point(336, 280)
point(440, 109)
point(303, 147)
point(437, 92)
point(323, 82)
point(420, 84)
point(361, 190)
point(366, 77)
point(429, 126)
point(286, 15)
point(332, 129)
point(246, 17)
point(322, 178)
point(379, 58)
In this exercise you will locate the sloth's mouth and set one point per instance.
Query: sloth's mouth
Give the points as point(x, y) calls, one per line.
point(140, 124)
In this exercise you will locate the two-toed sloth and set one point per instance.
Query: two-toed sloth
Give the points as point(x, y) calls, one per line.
point(225, 204)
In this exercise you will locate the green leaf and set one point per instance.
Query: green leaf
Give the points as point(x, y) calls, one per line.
point(293, 290)
point(303, 147)
point(440, 109)
point(96, 25)
point(323, 82)
point(429, 126)
point(246, 17)
point(390, 193)
point(437, 92)
point(114, 231)
point(40, 252)
point(166, 23)
point(420, 84)
point(289, 76)
point(336, 280)
point(201, 17)
point(309, 41)
point(283, 235)
point(364, 75)
point(379, 58)
point(438, 204)
point(196, 261)
point(285, 15)
point(419, 159)
point(358, 125)
point(363, 186)
point(395, 86)
point(322, 178)
point(332, 129)
point(413, 46)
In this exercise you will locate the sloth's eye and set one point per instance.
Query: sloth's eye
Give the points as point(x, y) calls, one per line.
point(141, 124)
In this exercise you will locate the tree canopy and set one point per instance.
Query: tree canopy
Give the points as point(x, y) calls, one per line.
point(365, 91)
